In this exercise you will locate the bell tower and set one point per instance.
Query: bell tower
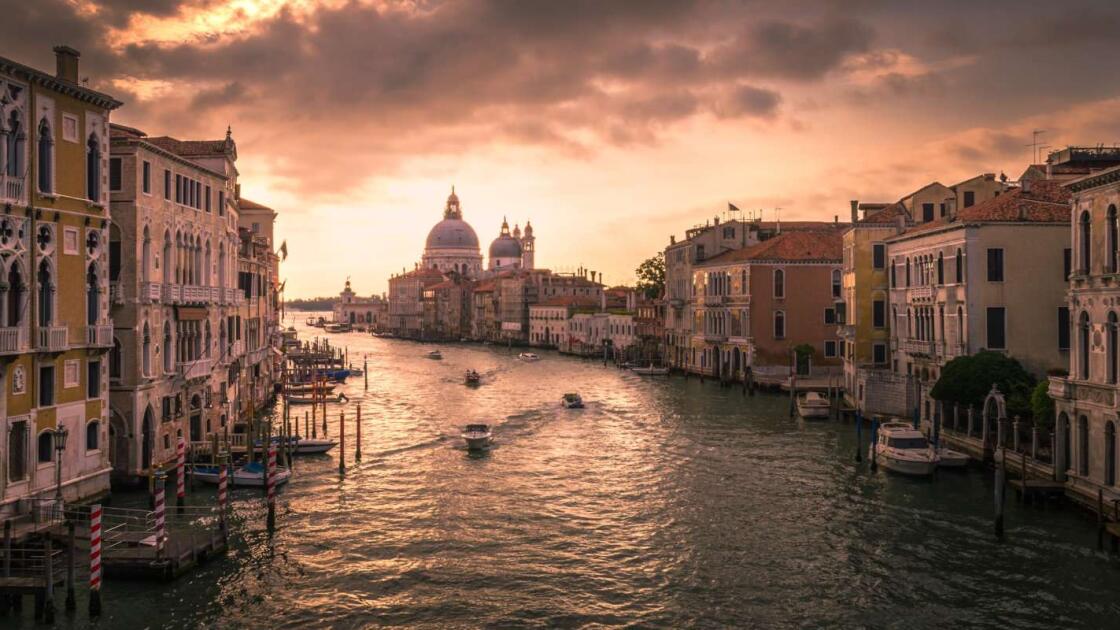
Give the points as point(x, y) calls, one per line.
point(528, 247)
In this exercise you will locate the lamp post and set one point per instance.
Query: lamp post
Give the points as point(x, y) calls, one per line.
point(60, 435)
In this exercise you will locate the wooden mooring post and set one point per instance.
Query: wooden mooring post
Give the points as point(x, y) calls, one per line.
point(341, 443)
point(859, 437)
point(365, 371)
point(71, 603)
point(270, 486)
point(94, 561)
point(874, 443)
point(1000, 491)
point(358, 434)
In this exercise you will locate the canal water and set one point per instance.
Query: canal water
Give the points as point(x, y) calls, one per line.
point(664, 503)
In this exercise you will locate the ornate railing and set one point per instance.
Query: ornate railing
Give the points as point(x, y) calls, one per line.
point(54, 339)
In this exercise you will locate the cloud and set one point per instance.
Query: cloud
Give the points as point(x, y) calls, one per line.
point(747, 100)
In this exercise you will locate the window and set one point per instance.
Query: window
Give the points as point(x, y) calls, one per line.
point(995, 265)
point(940, 268)
point(221, 203)
point(907, 272)
point(830, 349)
point(93, 168)
point(729, 232)
point(46, 447)
point(878, 255)
point(1067, 263)
point(1086, 243)
point(830, 316)
point(1110, 347)
point(257, 229)
point(46, 294)
point(960, 266)
point(17, 450)
point(941, 209)
point(17, 136)
point(207, 199)
point(93, 379)
point(879, 313)
point(997, 339)
point(69, 127)
point(779, 325)
point(879, 353)
point(969, 198)
point(1083, 445)
point(146, 178)
point(1083, 346)
point(46, 157)
point(93, 430)
point(779, 283)
point(167, 184)
point(894, 275)
point(70, 371)
point(1112, 240)
point(1063, 328)
point(115, 168)
point(835, 283)
point(178, 188)
point(927, 212)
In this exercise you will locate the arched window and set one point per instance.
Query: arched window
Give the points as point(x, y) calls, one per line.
point(1083, 346)
point(779, 283)
point(1086, 242)
point(940, 268)
point(960, 325)
point(146, 257)
point(221, 340)
point(1109, 453)
point(206, 266)
point(1083, 446)
point(93, 296)
point(17, 135)
point(907, 272)
point(168, 355)
point(93, 168)
point(894, 275)
point(960, 266)
point(46, 157)
point(46, 293)
point(1113, 267)
point(222, 265)
point(93, 431)
point(779, 325)
point(209, 342)
point(15, 295)
point(835, 283)
point(46, 447)
point(146, 356)
point(1111, 349)
point(115, 359)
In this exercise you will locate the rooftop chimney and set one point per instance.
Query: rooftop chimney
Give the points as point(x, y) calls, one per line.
point(855, 210)
point(672, 239)
point(901, 223)
point(66, 63)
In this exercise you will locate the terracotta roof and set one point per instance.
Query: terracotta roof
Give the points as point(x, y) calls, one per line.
point(189, 148)
point(790, 226)
point(423, 274)
point(485, 287)
point(889, 214)
point(1046, 202)
point(798, 246)
point(245, 204)
point(568, 300)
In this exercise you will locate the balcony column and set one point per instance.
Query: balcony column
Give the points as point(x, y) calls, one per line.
point(1034, 440)
point(1015, 441)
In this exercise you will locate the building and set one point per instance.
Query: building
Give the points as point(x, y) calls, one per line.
point(548, 319)
point(55, 329)
point(447, 308)
point(649, 321)
point(990, 276)
point(364, 312)
point(452, 245)
point(258, 270)
point(406, 300)
point(755, 305)
point(175, 303)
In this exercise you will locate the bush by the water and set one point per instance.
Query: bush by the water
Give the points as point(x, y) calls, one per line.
point(967, 380)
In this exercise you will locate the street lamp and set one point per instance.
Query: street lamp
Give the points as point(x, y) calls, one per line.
point(60, 435)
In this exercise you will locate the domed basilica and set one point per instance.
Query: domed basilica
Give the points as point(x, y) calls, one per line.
point(452, 246)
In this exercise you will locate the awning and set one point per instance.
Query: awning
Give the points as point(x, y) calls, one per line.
point(190, 313)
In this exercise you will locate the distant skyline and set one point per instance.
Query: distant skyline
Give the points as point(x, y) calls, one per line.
point(609, 125)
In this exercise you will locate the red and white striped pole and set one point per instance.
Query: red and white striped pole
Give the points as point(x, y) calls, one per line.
point(161, 530)
point(271, 483)
point(180, 474)
point(95, 560)
point(223, 481)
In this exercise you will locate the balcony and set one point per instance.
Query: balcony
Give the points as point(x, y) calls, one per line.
point(917, 346)
point(150, 291)
point(99, 336)
point(172, 293)
point(713, 337)
point(1069, 388)
point(53, 339)
point(13, 340)
point(715, 300)
point(11, 188)
point(954, 350)
point(920, 293)
point(215, 295)
point(200, 368)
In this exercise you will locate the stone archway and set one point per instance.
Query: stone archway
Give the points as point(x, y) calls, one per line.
point(993, 427)
point(736, 362)
point(120, 442)
point(147, 439)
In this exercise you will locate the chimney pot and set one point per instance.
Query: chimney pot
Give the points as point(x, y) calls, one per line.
point(855, 210)
point(66, 63)
point(901, 224)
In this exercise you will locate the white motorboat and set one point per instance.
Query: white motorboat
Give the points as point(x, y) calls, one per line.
point(477, 436)
point(312, 446)
point(948, 458)
point(650, 371)
point(309, 399)
point(811, 405)
point(338, 328)
point(435, 354)
point(903, 449)
point(572, 401)
point(528, 356)
point(251, 475)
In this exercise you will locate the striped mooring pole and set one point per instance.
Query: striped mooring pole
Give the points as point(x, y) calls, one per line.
point(180, 476)
point(95, 560)
point(223, 497)
point(161, 481)
point(271, 481)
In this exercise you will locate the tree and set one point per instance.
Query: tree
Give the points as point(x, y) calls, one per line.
point(651, 275)
point(1042, 405)
point(967, 381)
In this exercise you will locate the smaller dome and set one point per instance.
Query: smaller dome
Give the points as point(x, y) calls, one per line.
point(505, 246)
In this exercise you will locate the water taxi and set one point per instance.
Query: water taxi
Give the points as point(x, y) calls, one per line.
point(477, 436)
point(903, 449)
point(435, 354)
point(811, 405)
point(572, 401)
point(528, 356)
point(338, 328)
point(650, 371)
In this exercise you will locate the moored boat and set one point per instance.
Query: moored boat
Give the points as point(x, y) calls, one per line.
point(811, 405)
point(477, 436)
point(903, 449)
point(948, 458)
point(251, 475)
point(435, 354)
point(528, 356)
point(298, 399)
point(473, 378)
point(307, 388)
point(650, 370)
point(572, 401)
point(342, 327)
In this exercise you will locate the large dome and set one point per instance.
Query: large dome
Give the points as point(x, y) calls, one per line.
point(505, 246)
point(452, 234)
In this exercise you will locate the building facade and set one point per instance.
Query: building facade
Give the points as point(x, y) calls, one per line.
point(364, 312)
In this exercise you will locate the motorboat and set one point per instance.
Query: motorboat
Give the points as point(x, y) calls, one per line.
point(650, 370)
point(316, 322)
point(903, 449)
point(308, 388)
point(251, 475)
point(811, 405)
point(528, 356)
point(572, 401)
point(435, 354)
point(477, 436)
point(310, 399)
point(354, 371)
point(338, 328)
point(473, 378)
point(312, 446)
point(948, 458)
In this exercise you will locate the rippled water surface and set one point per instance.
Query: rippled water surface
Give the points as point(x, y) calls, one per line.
point(664, 503)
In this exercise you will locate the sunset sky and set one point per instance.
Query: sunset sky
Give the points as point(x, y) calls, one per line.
point(611, 125)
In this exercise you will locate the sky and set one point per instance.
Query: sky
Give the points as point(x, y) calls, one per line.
point(611, 125)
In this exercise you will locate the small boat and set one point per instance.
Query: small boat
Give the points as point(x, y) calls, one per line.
point(903, 449)
point(310, 400)
point(311, 446)
point(473, 378)
point(251, 475)
point(650, 371)
point(338, 328)
point(316, 322)
point(336, 375)
point(308, 388)
point(572, 401)
point(948, 458)
point(435, 354)
point(477, 436)
point(528, 356)
point(811, 405)
point(355, 371)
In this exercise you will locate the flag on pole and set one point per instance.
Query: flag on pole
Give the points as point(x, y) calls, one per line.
point(284, 250)
point(731, 207)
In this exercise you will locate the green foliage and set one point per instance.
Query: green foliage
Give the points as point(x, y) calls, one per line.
point(967, 381)
point(1042, 405)
point(651, 275)
point(804, 350)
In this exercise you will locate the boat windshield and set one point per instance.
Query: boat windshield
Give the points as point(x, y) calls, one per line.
point(908, 443)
